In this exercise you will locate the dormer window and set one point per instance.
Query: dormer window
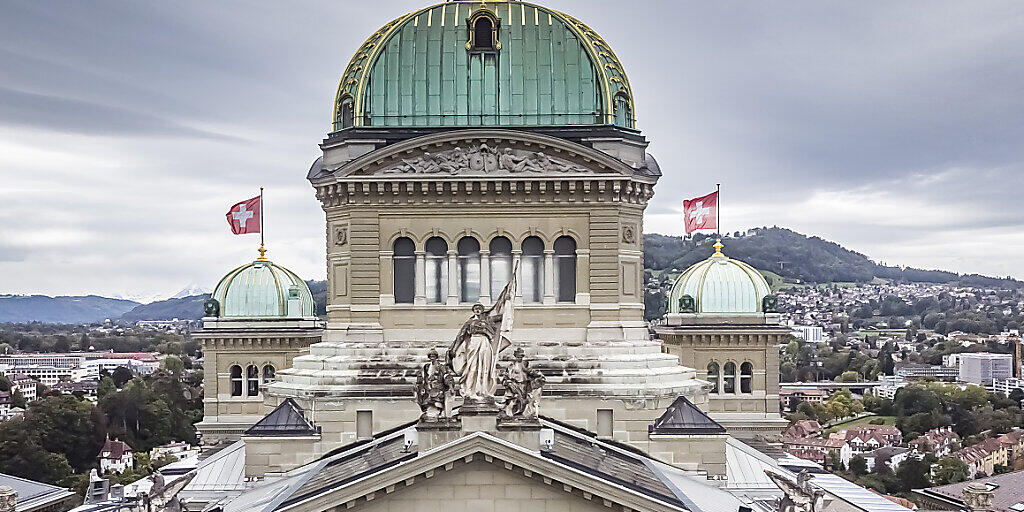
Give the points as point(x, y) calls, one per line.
point(483, 32)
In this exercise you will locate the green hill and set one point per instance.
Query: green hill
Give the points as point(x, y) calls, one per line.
point(61, 310)
point(796, 258)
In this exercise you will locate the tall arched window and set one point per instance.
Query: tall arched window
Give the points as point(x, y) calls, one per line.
point(404, 261)
point(347, 117)
point(533, 270)
point(268, 374)
point(501, 264)
point(437, 270)
point(746, 378)
point(482, 39)
point(623, 115)
point(236, 380)
point(252, 378)
point(713, 376)
point(729, 379)
point(565, 268)
point(469, 269)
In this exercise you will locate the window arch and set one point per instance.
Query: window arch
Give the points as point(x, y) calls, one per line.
point(437, 270)
point(565, 269)
point(714, 376)
point(252, 380)
point(533, 270)
point(347, 114)
point(501, 264)
point(269, 372)
point(746, 377)
point(483, 32)
point(469, 269)
point(236, 380)
point(623, 114)
point(404, 262)
point(729, 379)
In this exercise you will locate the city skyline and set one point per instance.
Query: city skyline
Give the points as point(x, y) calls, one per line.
point(127, 130)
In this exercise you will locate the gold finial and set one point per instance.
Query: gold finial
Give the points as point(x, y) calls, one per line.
point(263, 253)
point(718, 248)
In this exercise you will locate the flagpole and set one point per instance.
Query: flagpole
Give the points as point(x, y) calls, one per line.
point(263, 251)
point(718, 209)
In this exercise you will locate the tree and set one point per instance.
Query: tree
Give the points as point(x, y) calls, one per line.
point(172, 364)
point(22, 455)
point(914, 474)
point(950, 470)
point(858, 465)
point(65, 425)
point(18, 400)
point(105, 387)
point(849, 376)
point(121, 376)
point(5, 384)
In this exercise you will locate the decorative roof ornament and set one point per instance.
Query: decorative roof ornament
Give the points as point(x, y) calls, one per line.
point(718, 248)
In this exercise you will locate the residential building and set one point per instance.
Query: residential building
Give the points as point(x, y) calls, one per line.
point(49, 375)
point(802, 429)
point(115, 456)
point(809, 333)
point(25, 384)
point(791, 396)
point(865, 438)
point(914, 371)
point(891, 456)
point(890, 384)
point(1005, 386)
point(981, 368)
point(937, 441)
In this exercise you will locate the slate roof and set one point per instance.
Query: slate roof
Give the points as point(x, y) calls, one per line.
point(682, 417)
point(1007, 490)
point(287, 419)
point(33, 494)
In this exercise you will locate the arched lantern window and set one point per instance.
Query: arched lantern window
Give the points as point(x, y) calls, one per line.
point(252, 380)
point(565, 269)
point(746, 378)
point(346, 112)
point(236, 380)
point(501, 264)
point(483, 31)
point(623, 112)
point(469, 269)
point(729, 380)
point(533, 270)
point(437, 270)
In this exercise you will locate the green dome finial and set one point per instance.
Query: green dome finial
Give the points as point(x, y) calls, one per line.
point(261, 290)
point(719, 285)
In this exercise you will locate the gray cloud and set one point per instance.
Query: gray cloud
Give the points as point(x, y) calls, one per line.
point(126, 129)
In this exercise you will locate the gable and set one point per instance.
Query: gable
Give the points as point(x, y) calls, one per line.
point(483, 153)
point(480, 486)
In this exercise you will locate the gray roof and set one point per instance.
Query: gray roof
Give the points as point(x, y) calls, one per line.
point(682, 417)
point(1007, 490)
point(287, 419)
point(32, 494)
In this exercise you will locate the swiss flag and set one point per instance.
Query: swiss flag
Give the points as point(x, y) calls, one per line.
point(244, 217)
point(701, 213)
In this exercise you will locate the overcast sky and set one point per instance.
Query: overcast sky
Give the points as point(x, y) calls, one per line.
point(128, 128)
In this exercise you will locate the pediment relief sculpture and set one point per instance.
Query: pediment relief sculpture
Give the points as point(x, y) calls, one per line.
point(484, 159)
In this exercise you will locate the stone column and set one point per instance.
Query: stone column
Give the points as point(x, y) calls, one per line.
point(485, 277)
point(421, 278)
point(453, 278)
point(549, 276)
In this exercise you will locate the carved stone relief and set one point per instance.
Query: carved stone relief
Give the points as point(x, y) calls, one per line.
point(628, 234)
point(340, 236)
point(483, 159)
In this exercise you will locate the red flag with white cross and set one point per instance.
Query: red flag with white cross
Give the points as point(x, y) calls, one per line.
point(244, 217)
point(701, 213)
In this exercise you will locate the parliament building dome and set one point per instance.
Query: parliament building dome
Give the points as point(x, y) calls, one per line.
point(719, 284)
point(261, 290)
point(470, 64)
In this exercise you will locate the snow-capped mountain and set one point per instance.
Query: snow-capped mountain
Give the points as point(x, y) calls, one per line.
point(190, 290)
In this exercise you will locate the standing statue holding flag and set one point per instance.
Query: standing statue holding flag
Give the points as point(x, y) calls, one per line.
point(474, 353)
point(247, 217)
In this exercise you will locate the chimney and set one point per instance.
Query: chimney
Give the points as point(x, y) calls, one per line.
point(978, 497)
point(8, 499)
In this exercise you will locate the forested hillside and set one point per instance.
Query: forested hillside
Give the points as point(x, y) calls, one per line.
point(796, 257)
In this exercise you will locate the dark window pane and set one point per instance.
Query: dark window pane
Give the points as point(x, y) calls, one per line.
point(565, 269)
point(404, 260)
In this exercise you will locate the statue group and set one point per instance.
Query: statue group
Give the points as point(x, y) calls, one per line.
point(471, 368)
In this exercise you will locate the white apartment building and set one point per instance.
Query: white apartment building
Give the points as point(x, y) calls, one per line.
point(890, 384)
point(981, 368)
point(48, 375)
point(54, 360)
point(1005, 386)
point(809, 333)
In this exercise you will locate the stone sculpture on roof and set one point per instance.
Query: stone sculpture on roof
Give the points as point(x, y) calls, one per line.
point(522, 389)
point(798, 496)
point(435, 388)
point(475, 351)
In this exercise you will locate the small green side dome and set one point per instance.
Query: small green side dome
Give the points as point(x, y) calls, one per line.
point(261, 289)
point(720, 284)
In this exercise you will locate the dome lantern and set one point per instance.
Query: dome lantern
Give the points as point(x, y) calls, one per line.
point(720, 285)
point(261, 290)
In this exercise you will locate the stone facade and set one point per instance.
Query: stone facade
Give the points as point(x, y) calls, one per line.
point(226, 411)
point(731, 342)
point(583, 329)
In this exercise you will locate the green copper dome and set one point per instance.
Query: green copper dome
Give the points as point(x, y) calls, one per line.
point(471, 63)
point(262, 289)
point(720, 284)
